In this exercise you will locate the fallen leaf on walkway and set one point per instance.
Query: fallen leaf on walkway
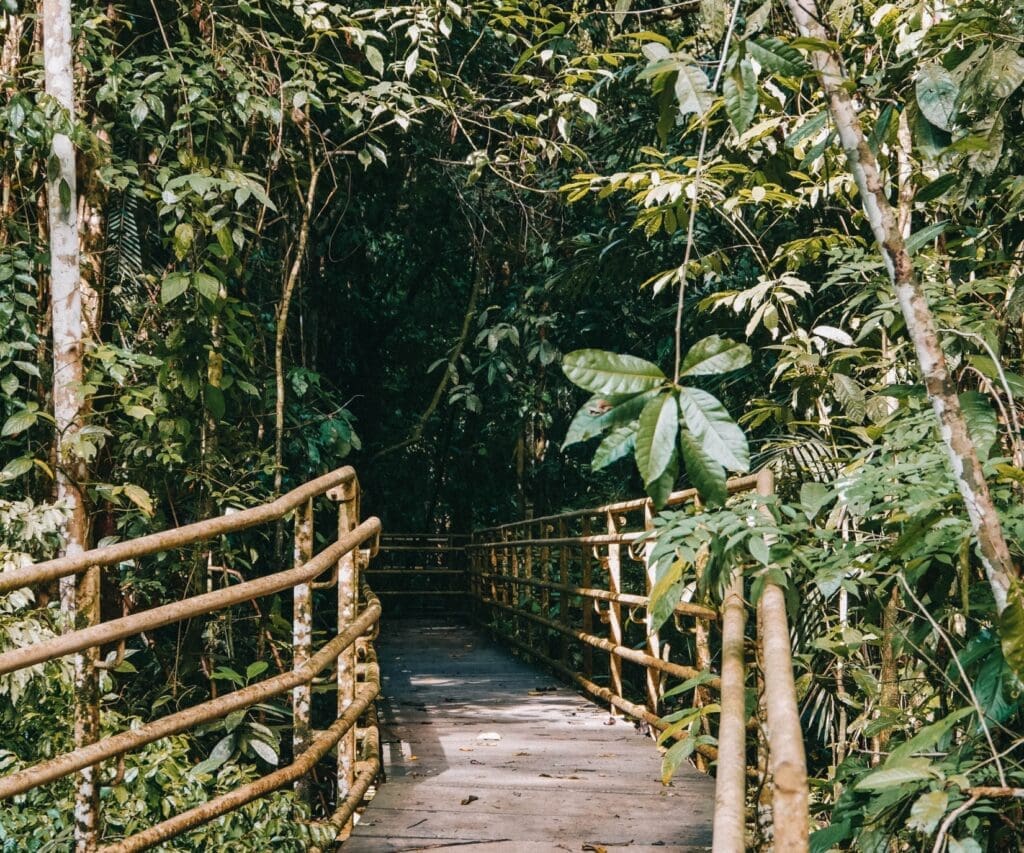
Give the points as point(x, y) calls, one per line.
point(596, 848)
point(469, 799)
point(522, 753)
point(465, 749)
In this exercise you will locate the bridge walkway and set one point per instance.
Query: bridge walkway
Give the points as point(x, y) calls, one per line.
point(484, 752)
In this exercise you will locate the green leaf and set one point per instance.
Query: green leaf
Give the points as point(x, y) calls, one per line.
point(777, 56)
point(1004, 73)
point(173, 285)
point(207, 286)
point(140, 497)
point(711, 426)
point(620, 442)
point(676, 755)
point(937, 188)
point(851, 396)
point(1011, 631)
point(693, 91)
point(264, 751)
point(656, 436)
point(937, 91)
point(665, 595)
point(374, 57)
point(925, 236)
point(64, 191)
point(16, 467)
point(611, 373)
point(600, 413)
point(214, 402)
point(912, 772)
point(927, 811)
point(714, 355)
point(814, 497)
point(926, 739)
point(706, 475)
point(184, 235)
point(19, 422)
point(740, 91)
point(981, 421)
point(660, 489)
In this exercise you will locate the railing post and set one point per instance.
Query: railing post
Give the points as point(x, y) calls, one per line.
point(655, 678)
point(302, 639)
point(788, 761)
point(587, 580)
point(545, 591)
point(563, 595)
point(614, 607)
point(348, 595)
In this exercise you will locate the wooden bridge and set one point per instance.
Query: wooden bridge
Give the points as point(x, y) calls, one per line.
point(510, 698)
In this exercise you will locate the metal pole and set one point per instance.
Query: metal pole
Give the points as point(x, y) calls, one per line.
point(348, 591)
point(302, 639)
point(614, 608)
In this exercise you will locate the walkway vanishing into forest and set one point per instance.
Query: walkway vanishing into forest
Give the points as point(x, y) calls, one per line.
point(482, 751)
point(479, 749)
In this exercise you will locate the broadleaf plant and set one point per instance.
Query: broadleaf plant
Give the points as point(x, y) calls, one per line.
point(663, 423)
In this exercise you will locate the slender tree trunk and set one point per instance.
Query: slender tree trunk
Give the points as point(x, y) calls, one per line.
point(79, 600)
point(287, 291)
point(1002, 574)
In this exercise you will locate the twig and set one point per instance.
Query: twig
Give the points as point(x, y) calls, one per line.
point(940, 839)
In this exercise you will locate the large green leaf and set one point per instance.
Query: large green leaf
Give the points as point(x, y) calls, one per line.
point(656, 436)
point(693, 90)
point(660, 489)
point(611, 373)
point(911, 772)
point(775, 55)
point(711, 425)
point(601, 413)
point(981, 421)
point(1003, 73)
point(714, 355)
point(1011, 631)
point(619, 443)
point(926, 739)
point(665, 595)
point(937, 92)
point(740, 91)
point(706, 475)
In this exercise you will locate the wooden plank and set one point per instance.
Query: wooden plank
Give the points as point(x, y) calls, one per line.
point(483, 751)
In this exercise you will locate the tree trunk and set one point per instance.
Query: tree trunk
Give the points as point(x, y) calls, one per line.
point(963, 455)
point(79, 600)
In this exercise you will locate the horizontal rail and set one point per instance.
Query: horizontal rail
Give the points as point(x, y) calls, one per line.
point(210, 602)
point(415, 572)
point(596, 539)
point(204, 813)
point(738, 484)
point(683, 608)
point(421, 549)
point(87, 756)
point(168, 540)
point(624, 652)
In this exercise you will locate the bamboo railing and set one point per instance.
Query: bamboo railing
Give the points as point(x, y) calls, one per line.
point(546, 586)
point(349, 652)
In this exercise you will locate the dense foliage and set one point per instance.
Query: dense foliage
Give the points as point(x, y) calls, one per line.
point(398, 234)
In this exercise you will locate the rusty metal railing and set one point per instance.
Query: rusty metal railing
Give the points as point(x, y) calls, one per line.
point(420, 572)
point(544, 584)
point(349, 652)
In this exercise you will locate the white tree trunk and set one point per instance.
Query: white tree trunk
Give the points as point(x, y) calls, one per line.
point(79, 600)
point(962, 453)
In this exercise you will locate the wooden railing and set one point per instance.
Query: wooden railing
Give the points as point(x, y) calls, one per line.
point(349, 652)
point(563, 586)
